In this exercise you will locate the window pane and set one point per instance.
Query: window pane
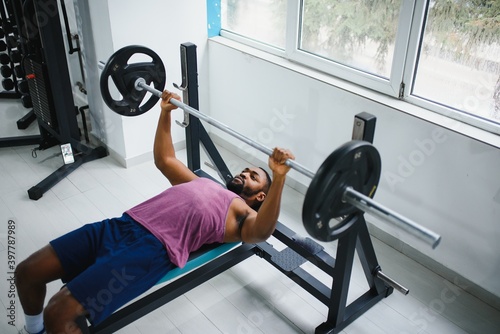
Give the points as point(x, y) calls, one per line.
point(459, 61)
point(356, 33)
point(261, 20)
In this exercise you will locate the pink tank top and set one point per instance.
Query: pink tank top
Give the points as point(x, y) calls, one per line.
point(186, 216)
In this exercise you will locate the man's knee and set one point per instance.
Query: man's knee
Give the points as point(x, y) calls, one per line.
point(23, 273)
point(61, 312)
point(40, 267)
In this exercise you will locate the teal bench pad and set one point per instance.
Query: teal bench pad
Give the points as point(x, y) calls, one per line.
point(198, 258)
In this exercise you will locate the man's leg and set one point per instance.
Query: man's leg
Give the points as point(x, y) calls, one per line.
point(32, 276)
point(61, 312)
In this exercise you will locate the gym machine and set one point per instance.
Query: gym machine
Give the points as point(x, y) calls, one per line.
point(46, 71)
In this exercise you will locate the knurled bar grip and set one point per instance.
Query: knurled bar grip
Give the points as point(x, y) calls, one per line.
point(351, 196)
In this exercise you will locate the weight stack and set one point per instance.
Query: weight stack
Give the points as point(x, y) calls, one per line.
point(43, 106)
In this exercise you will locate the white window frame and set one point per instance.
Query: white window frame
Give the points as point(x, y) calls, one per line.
point(414, 41)
point(390, 86)
point(399, 85)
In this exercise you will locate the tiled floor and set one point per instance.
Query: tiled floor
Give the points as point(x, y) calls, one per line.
point(252, 297)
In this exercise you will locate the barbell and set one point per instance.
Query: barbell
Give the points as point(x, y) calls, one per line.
point(344, 184)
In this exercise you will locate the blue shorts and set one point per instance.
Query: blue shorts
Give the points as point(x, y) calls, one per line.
point(109, 263)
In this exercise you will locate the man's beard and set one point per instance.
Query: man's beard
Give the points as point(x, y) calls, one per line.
point(239, 187)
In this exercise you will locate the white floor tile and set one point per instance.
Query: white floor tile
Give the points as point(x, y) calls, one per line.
point(84, 210)
point(155, 322)
point(11, 111)
point(102, 199)
point(228, 319)
point(260, 313)
point(204, 296)
point(187, 318)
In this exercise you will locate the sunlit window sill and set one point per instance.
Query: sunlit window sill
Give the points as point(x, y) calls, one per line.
point(402, 106)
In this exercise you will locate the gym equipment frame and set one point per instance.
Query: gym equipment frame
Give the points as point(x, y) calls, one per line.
point(53, 103)
point(299, 250)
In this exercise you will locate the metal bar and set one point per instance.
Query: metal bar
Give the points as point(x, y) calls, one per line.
point(392, 283)
point(300, 276)
point(366, 204)
point(140, 84)
point(368, 258)
point(350, 195)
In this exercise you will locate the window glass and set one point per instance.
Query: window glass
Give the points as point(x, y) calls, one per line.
point(443, 55)
point(261, 20)
point(356, 33)
point(459, 59)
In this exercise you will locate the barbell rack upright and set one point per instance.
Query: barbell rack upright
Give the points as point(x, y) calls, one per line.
point(350, 195)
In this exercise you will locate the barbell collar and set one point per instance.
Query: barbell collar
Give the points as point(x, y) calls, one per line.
point(368, 205)
point(140, 84)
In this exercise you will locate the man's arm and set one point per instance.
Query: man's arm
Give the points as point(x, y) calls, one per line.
point(259, 227)
point(163, 150)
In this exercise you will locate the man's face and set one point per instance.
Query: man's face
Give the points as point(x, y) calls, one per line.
point(248, 183)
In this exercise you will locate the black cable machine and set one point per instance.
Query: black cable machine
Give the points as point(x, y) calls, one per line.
point(46, 70)
point(289, 260)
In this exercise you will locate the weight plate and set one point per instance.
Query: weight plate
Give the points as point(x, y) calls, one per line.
point(6, 71)
point(355, 164)
point(124, 75)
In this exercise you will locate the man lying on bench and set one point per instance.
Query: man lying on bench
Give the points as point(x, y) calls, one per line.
point(109, 263)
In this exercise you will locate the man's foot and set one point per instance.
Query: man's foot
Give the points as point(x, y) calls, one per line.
point(24, 331)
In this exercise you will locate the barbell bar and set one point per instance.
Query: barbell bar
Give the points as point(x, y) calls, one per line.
point(367, 204)
point(140, 84)
point(350, 195)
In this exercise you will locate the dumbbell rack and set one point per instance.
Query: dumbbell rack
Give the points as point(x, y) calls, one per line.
point(12, 51)
point(8, 45)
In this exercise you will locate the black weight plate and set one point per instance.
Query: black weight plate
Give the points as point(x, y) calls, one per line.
point(124, 76)
point(18, 71)
point(355, 164)
point(8, 84)
point(26, 101)
point(6, 71)
point(23, 86)
point(16, 56)
point(4, 59)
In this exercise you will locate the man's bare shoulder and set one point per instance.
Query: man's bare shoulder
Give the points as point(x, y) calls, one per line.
point(239, 213)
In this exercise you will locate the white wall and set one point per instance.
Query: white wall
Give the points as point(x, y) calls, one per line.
point(441, 179)
point(94, 29)
point(159, 25)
